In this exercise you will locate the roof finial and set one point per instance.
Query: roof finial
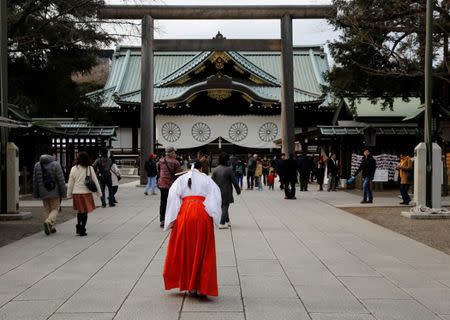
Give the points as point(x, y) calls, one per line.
point(219, 36)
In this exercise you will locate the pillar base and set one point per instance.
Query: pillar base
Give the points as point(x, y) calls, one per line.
point(15, 216)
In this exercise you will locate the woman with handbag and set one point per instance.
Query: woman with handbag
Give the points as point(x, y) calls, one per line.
point(115, 178)
point(82, 183)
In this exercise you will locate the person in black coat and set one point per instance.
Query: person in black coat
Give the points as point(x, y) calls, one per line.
point(224, 177)
point(278, 165)
point(320, 173)
point(304, 167)
point(150, 168)
point(332, 171)
point(290, 176)
point(367, 168)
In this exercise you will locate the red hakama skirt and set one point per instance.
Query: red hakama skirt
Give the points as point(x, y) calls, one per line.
point(191, 255)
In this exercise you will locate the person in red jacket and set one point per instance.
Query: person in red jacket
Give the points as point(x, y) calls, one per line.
point(271, 179)
point(168, 167)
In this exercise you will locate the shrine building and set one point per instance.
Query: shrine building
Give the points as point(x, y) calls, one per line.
point(215, 101)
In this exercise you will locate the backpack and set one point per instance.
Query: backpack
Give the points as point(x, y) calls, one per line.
point(238, 169)
point(47, 179)
point(104, 167)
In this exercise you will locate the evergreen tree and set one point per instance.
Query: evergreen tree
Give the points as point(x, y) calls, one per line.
point(381, 50)
point(48, 41)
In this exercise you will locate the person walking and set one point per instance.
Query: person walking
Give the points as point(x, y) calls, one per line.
point(320, 173)
point(102, 168)
point(50, 186)
point(405, 170)
point(265, 169)
point(251, 167)
point(278, 164)
point(168, 167)
point(290, 177)
point(367, 167)
point(271, 179)
point(332, 171)
point(83, 201)
point(258, 175)
point(204, 162)
point(223, 176)
point(304, 170)
point(150, 168)
point(193, 207)
point(115, 178)
point(239, 171)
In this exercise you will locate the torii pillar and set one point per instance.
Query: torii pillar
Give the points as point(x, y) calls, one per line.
point(147, 89)
point(287, 87)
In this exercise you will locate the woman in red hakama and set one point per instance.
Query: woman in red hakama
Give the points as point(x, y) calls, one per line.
point(193, 205)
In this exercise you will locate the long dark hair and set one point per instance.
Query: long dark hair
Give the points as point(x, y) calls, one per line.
point(83, 159)
point(197, 165)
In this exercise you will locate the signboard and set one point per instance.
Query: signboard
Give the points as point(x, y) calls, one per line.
point(381, 175)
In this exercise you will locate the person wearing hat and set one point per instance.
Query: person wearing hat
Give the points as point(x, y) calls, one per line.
point(150, 168)
point(168, 167)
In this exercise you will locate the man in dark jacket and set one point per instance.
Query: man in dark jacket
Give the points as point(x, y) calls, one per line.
point(223, 176)
point(332, 172)
point(49, 185)
point(150, 168)
point(289, 167)
point(278, 165)
point(239, 171)
point(367, 167)
point(102, 167)
point(251, 167)
point(304, 168)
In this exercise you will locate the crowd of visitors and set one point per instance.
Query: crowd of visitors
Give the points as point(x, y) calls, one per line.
point(192, 201)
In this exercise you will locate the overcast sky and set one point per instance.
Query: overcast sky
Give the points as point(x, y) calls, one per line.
point(305, 31)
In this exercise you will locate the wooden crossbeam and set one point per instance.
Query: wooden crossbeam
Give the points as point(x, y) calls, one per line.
point(217, 45)
point(216, 12)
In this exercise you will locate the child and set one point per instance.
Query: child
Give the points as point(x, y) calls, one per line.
point(271, 179)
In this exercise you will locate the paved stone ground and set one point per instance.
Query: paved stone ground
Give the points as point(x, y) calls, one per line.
point(282, 259)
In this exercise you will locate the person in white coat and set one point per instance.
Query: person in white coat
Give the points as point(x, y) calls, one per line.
point(194, 205)
point(115, 177)
point(83, 201)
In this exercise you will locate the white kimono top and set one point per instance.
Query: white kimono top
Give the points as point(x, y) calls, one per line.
point(202, 185)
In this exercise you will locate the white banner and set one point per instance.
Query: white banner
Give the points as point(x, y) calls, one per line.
point(189, 131)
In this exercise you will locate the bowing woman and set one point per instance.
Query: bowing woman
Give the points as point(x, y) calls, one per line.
point(193, 207)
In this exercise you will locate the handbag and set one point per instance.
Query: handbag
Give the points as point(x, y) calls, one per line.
point(89, 182)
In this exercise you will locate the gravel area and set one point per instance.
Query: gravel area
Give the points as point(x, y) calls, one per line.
point(434, 233)
point(11, 231)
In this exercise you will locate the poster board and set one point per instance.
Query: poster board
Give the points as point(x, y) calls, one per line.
point(381, 175)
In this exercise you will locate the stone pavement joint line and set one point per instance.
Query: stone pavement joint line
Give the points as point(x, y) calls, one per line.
point(302, 259)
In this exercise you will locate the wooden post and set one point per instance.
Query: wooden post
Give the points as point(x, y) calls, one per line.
point(287, 87)
point(4, 106)
point(147, 112)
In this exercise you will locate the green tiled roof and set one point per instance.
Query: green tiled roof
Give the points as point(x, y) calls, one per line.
point(253, 68)
point(124, 82)
point(73, 127)
point(402, 109)
point(343, 131)
point(186, 68)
